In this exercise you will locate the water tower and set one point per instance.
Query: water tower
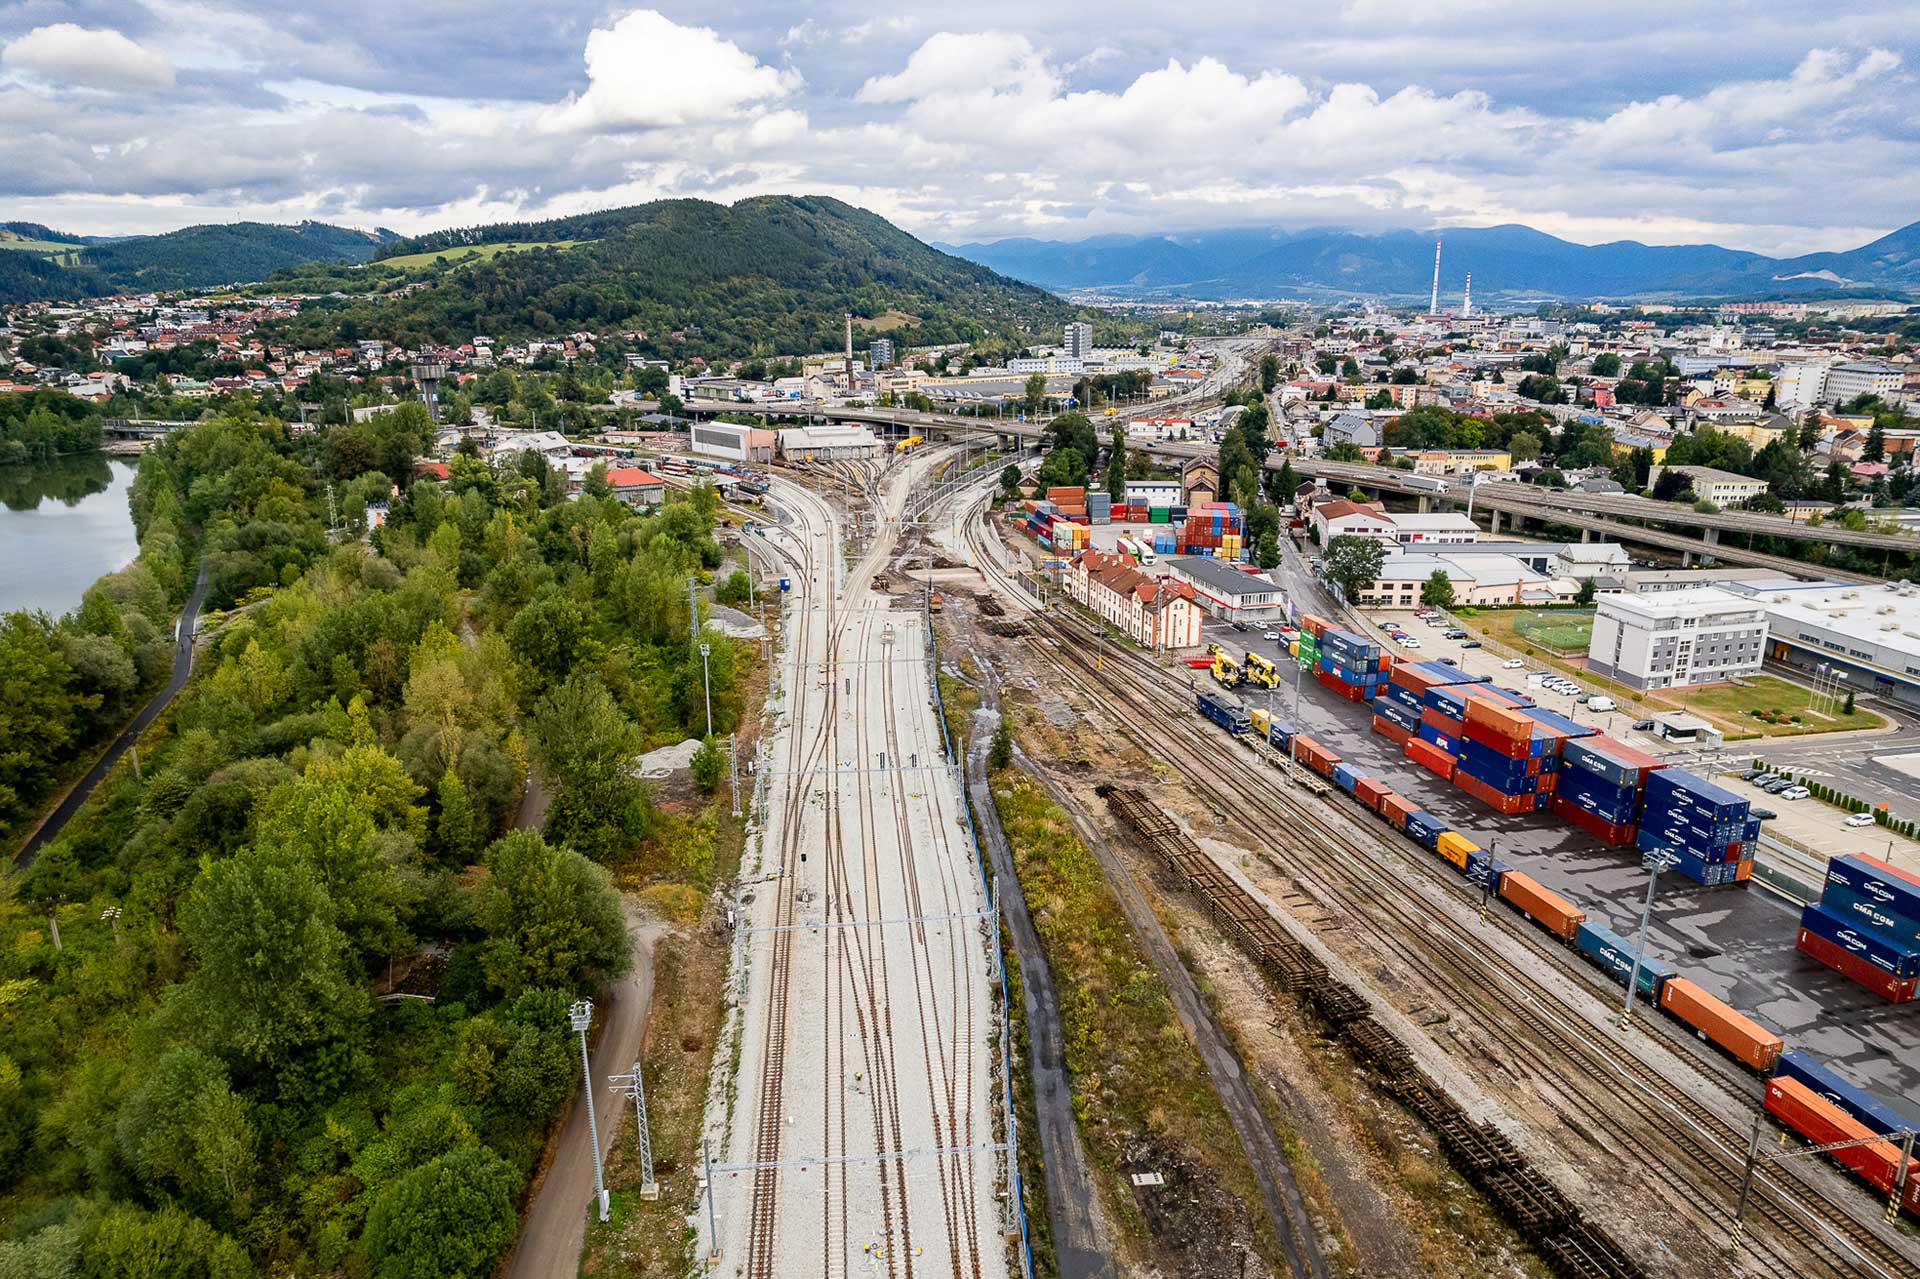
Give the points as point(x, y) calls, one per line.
point(429, 373)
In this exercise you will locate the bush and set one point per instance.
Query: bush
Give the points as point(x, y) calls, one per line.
point(709, 765)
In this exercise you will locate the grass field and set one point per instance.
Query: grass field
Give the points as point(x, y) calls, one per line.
point(37, 246)
point(1563, 630)
point(1731, 708)
point(472, 252)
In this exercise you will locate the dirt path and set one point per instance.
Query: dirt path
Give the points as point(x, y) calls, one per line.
point(554, 1230)
point(1080, 1238)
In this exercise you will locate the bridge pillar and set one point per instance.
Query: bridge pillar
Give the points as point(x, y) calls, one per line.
point(1493, 528)
point(1426, 506)
point(1710, 536)
point(1687, 559)
point(1586, 535)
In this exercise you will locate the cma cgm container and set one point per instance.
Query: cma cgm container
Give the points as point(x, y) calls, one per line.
point(1562, 726)
point(1610, 760)
point(1596, 795)
point(1615, 834)
point(1425, 829)
point(1547, 908)
point(1823, 1082)
point(1613, 955)
point(1865, 912)
point(1877, 881)
point(1734, 1031)
point(1696, 802)
point(1398, 713)
point(1823, 1123)
point(1830, 925)
point(1484, 868)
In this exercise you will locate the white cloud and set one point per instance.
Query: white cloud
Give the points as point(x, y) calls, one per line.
point(948, 64)
point(647, 71)
point(102, 59)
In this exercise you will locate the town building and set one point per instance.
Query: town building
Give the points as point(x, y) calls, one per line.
point(879, 353)
point(1445, 526)
point(1153, 493)
point(735, 442)
point(1226, 591)
point(1079, 341)
point(1341, 518)
point(1201, 479)
point(1356, 429)
point(1477, 579)
point(1722, 488)
point(1867, 637)
point(636, 487)
point(1676, 638)
point(1861, 377)
point(1459, 461)
point(827, 444)
point(1154, 612)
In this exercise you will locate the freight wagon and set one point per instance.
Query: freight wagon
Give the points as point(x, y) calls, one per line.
point(1613, 955)
point(1735, 1032)
point(1824, 1083)
point(1223, 711)
point(1822, 1123)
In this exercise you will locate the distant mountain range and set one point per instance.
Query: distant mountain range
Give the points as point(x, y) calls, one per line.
point(38, 263)
point(1508, 263)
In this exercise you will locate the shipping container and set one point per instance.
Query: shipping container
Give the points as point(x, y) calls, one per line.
point(1896, 990)
point(1314, 755)
point(1677, 788)
point(1345, 776)
point(1547, 908)
point(1613, 955)
point(1428, 755)
point(1391, 731)
point(1822, 1081)
point(1425, 829)
point(1437, 717)
point(1567, 729)
point(1822, 1123)
point(1616, 834)
point(1494, 740)
point(1866, 912)
point(1370, 791)
point(1895, 960)
point(1397, 713)
point(1396, 809)
point(1617, 763)
point(1878, 882)
point(1455, 847)
point(1498, 801)
point(1484, 868)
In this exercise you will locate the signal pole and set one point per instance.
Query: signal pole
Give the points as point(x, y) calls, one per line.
point(582, 1016)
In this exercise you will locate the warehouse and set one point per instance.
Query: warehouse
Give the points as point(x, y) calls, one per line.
point(636, 487)
point(733, 442)
point(828, 444)
point(1225, 591)
point(1868, 636)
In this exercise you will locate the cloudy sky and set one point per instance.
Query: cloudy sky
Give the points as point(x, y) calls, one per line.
point(1775, 126)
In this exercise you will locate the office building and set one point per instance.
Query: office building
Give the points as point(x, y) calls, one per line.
point(1079, 341)
point(1226, 591)
point(1864, 637)
point(879, 353)
point(1862, 377)
point(1678, 638)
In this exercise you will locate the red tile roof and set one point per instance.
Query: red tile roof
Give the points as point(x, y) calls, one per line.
point(630, 477)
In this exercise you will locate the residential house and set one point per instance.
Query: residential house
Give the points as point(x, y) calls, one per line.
point(1154, 612)
point(636, 487)
point(1356, 429)
point(1340, 518)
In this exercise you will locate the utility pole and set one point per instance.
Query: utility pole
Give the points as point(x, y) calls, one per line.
point(693, 612)
point(713, 1227)
point(1655, 861)
point(706, 683)
point(636, 1089)
point(733, 774)
point(582, 1016)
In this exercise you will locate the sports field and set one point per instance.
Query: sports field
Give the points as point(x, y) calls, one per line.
point(1564, 630)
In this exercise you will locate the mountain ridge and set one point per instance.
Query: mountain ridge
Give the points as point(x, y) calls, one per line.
point(1507, 260)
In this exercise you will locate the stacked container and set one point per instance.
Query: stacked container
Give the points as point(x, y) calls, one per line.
point(1601, 787)
point(1707, 829)
point(1502, 757)
point(1215, 529)
point(1100, 508)
point(1351, 665)
point(1866, 925)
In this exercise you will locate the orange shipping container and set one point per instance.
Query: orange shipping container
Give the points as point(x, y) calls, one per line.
point(1396, 807)
point(1737, 1033)
point(1391, 731)
point(1549, 909)
point(1508, 723)
point(1370, 791)
point(1313, 625)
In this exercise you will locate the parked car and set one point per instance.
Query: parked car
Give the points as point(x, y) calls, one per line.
point(1601, 704)
point(1271, 636)
point(1763, 814)
point(1512, 664)
point(1776, 785)
point(1239, 625)
point(1407, 641)
point(1753, 774)
point(1448, 661)
point(1643, 726)
point(1456, 633)
point(1469, 643)
point(1795, 792)
point(1860, 819)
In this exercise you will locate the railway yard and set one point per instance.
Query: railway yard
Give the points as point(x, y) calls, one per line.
point(1331, 947)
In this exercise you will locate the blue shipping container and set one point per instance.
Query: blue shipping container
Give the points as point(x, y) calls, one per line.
point(1859, 1103)
point(1394, 713)
point(1344, 776)
point(1445, 741)
point(1677, 788)
point(1876, 885)
point(1552, 719)
point(1580, 754)
point(1425, 829)
point(1613, 954)
point(1866, 912)
point(1591, 795)
point(1481, 863)
point(1876, 950)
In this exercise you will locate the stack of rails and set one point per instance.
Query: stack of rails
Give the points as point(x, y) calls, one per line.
point(1571, 1245)
point(1866, 925)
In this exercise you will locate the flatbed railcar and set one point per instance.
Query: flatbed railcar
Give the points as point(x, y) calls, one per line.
point(1224, 711)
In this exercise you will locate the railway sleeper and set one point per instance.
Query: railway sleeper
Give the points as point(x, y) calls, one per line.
point(1336, 1001)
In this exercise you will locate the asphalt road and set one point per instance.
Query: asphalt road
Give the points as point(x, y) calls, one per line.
point(57, 820)
point(1079, 1232)
point(554, 1231)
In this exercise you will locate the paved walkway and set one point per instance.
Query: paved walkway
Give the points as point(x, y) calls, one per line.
point(71, 802)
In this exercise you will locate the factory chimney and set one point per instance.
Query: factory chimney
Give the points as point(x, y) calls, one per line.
point(1466, 303)
point(849, 352)
point(1433, 307)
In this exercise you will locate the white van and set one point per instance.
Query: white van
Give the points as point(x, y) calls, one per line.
point(1601, 704)
point(1537, 680)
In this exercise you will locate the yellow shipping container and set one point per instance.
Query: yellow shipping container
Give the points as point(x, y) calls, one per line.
point(1261, 721)
point(1454, 846)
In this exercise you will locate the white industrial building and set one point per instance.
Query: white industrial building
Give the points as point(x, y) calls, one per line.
point(1226, 591)
point(828, 444)
point(1442, 526)
point(733, 441)
point(1867, 636)
point(1862, 377)
point(1678, 638)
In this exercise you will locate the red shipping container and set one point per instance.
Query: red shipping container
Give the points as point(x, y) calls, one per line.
point(1616, 834)
point(1413, 680)
point(1314, 755)
point(1888, 868)
point(1501, 720)
point(1822, 1123)
point(1499, 801)
point(1492, 738)
point(1395, 809)
point(1391, 731)
point(1352, 692)
point(1434, 717)
point(1370, 791)
point(1878, 980)
point(1427, 755)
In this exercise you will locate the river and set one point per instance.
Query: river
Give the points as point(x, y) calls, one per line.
point(63, 524)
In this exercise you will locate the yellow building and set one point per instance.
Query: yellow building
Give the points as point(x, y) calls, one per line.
point(1450, 461)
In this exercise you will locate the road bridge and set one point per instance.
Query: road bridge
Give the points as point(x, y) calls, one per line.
point(124, 428)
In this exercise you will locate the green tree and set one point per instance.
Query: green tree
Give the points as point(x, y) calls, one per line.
point(587, 746)
point(1875, 449)
point(276, 992)
point(1269, 373)
point(552, 918)
point(1437, 590)
point(129, 1243)
point(1673, 486)
point(186, 1133)
point(1523, 446)
point(1000, 753)
point(39, 716)
point(1010, 479)
point(1585, 594)
point(1036, 393)
point(709, 765)
point(1117, 465)
point(457, 830)
point(1354, 562)
point(450, 1218)
point(1847, 709)
point(1606, 364)
point(1266, 550)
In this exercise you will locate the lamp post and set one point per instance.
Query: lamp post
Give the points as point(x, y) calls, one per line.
point(706, 683)
point(1655, 861)
point(582, 1016)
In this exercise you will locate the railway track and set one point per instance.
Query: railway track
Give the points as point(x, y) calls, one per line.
point(1330, 856)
